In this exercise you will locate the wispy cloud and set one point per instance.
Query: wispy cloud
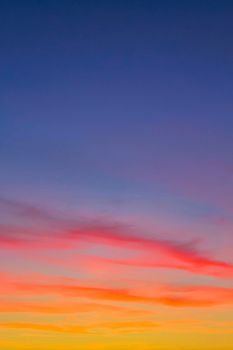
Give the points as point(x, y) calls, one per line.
point(121, 327)
point(77, 329)
point(172, 295)
point(152, 252)
point(25, 210)
point(61, 306)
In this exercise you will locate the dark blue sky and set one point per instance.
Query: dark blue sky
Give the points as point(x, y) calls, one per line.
point(100, 96)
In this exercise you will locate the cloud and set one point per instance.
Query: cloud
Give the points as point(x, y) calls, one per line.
point(123, 327)
point(103, 264)
point(60, 306)
point(26, 210)
point(172, 295)
point(77, 329)
point(152, 252)
point(172, 254)
point(116, 327)
point(20, 238)
point(147, 252)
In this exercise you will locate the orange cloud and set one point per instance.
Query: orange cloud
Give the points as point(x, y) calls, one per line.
point(119, 327)
point(137, 326)
point(193, 296)
point(77, 329)
point(66, 307)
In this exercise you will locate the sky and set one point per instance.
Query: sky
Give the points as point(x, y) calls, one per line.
point(116, 175)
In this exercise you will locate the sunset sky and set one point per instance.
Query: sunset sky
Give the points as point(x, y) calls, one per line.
point(116, 175)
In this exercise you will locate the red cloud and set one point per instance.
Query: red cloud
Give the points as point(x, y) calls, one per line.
point(151, 252)
point(154, 252)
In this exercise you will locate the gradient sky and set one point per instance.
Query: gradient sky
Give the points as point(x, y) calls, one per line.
point(116, 175)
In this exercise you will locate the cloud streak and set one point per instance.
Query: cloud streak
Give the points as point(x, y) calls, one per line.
point(172, 295)
point(155, 252)
point(26, 210)
point(150, 252)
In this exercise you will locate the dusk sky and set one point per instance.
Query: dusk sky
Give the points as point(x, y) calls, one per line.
point(116, 175)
